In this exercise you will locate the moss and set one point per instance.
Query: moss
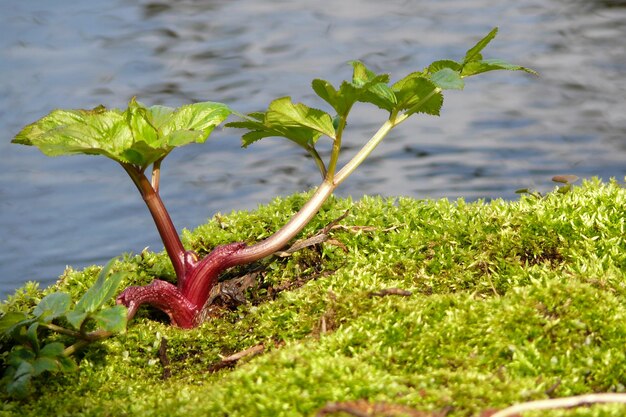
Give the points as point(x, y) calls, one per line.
point(510, 301)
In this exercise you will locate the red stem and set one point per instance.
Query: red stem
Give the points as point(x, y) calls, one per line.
point(165, 297)
point(162, 220)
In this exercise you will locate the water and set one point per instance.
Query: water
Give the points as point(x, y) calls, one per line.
point(505, 131)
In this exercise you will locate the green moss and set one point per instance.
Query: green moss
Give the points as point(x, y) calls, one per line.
point(511, 301)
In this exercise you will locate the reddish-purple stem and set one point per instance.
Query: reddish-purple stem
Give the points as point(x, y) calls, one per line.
point(162, 220)
point(185, 302)
point(165, 297)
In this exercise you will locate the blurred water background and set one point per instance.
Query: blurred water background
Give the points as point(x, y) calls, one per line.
point(504, 132)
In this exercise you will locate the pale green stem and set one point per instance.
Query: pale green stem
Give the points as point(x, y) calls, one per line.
point(279, 239)
point(364, 152)
point(318, 160)
point(334, 156)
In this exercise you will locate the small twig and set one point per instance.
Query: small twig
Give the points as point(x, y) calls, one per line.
point(333, 223)
point(364, 408)
point(231, 360)
point(391, 291)
point(164, 359)
point(320, 237)
point(251, 351)
point(552, 388)
point(305, 243)
point(566, 402)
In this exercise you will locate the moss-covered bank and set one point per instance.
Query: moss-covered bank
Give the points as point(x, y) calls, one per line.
point(509, 301)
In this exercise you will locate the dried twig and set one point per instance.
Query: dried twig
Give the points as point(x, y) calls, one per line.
point(566, 402)
point(164, 359)
point(231, 360)
point(364, 408)
point(324, 236)
point(391, 291)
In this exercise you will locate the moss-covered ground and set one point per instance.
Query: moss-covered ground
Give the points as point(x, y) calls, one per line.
point(501, 302)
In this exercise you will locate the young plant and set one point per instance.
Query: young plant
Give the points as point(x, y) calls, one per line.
point(30, 339)
point(142, 136)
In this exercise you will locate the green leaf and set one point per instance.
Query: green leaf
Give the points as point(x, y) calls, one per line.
point(112, 319)
point(66, 132)
point(41, 365)
point(32, 336)
point(200, 118)
point(49, 358)
point(76, 317)
point(366, 86)
point(13, 320)
point(341, 102)
point(20, 354)
point(296, 122)
point(96, 296)
point(444, 63)
point(283, 112)
point(417, 94)
point(139, 135)
point(52, 350)
point(448, 79)
point(255, 122)
point(66, 364)
point(52, 306)
point(20, 380)
point(473, 54)
point(477, 67)
point(101, 291)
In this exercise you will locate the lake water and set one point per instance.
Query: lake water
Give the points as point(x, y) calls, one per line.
point(503, 132)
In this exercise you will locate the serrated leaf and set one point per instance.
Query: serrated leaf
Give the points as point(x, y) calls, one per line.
point(473, 54)
point(32, 337)
point(303, 136)
point(101, 291)
point(478, 67)
point(20, 354)
point(66, 132)
point(41, 365)
point(20, 380)
point(341, 102)
point(76, 317)
point(416, 94)
point(448, 79)
point(52, 306)
point(366, 86)
point(13, 320)
point(139, 135)
point(441, 64)
point(52, 350)
point(283, 112)
point(112, 319)
point(66, 364)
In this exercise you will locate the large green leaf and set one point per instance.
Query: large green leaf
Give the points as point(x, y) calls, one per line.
point(139, 135)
